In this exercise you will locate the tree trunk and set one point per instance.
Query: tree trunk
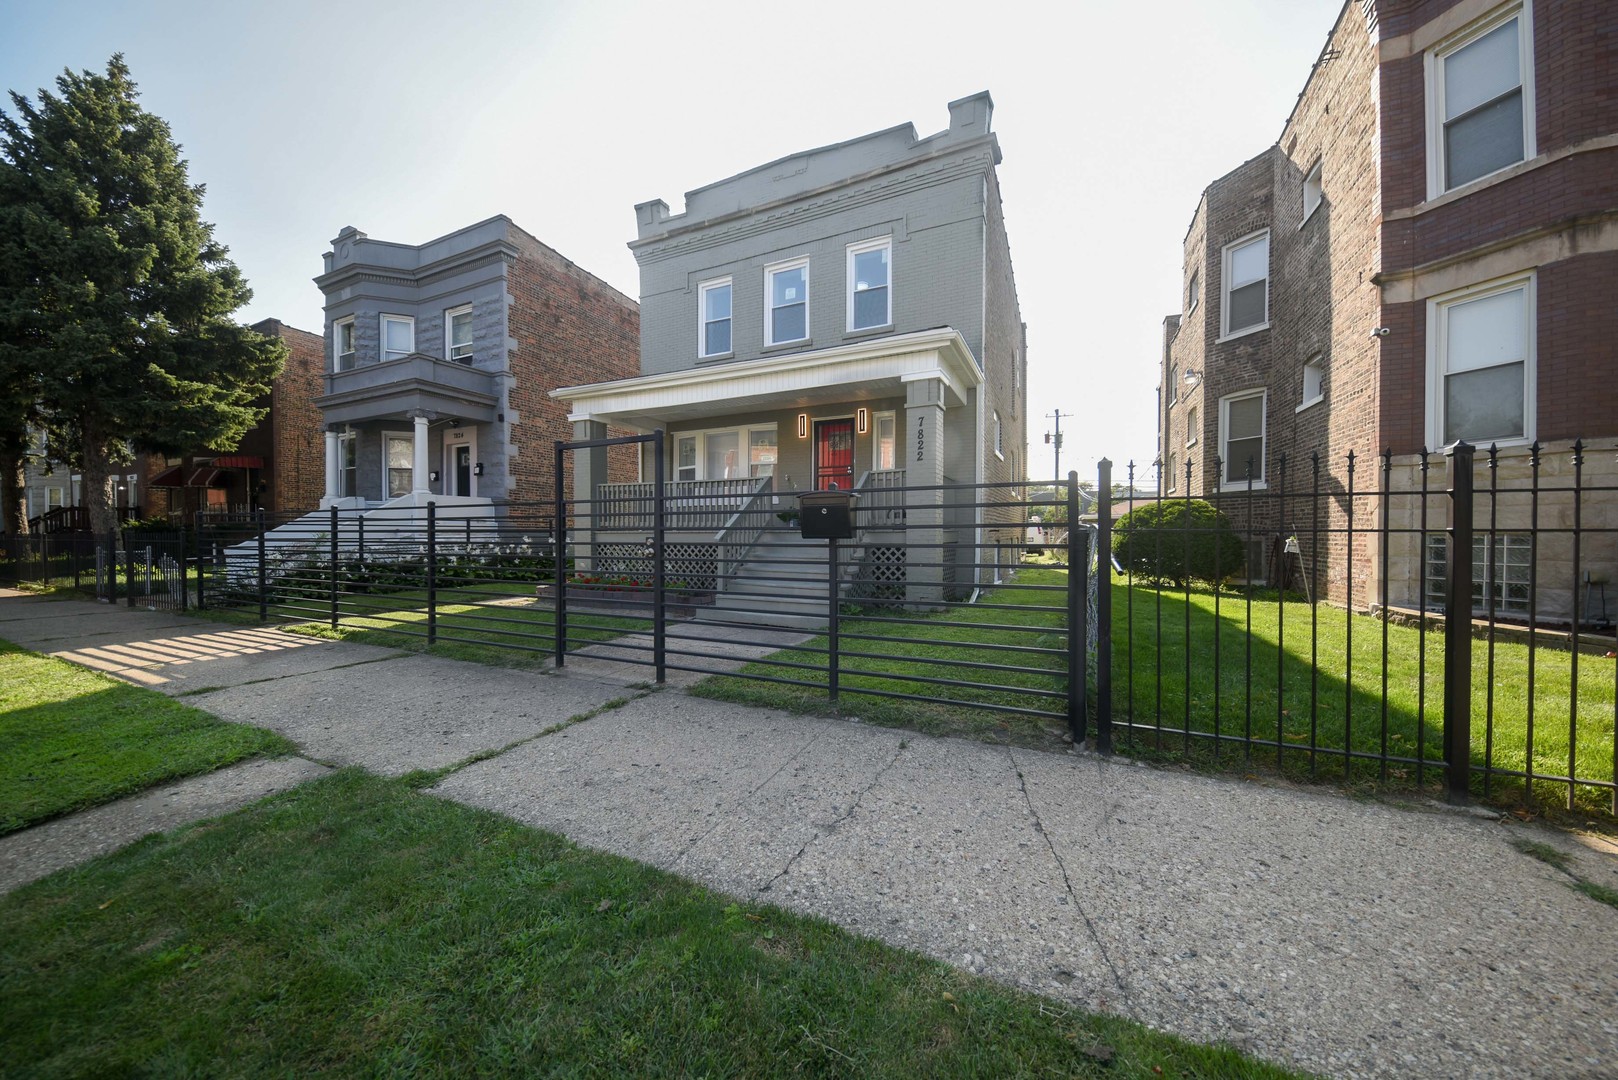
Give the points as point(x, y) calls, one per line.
point(13, 495)
point(95, 491)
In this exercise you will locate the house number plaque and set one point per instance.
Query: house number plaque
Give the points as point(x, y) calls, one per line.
point(921, 437)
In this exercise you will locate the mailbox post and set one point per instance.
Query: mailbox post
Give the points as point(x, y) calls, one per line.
point(828, 516)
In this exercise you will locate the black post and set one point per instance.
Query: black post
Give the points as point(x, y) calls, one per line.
point(201, 576)
point(659, 578)
point(1103, 606)
point(831, 618)
point(432, 573)
point(1078, 633)
point(263, 572)
point(336, 555)
point(129, 572)
point(185, 588)
point(112, 566)
point(1458, 627)
point(559, 628)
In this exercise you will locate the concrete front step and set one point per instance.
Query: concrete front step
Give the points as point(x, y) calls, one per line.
point(778, 619)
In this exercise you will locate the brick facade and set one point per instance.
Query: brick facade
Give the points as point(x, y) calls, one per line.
point(1354, 283)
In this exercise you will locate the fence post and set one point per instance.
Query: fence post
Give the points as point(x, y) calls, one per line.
point(831, 618)
point(336, 557)
point(559, 632)
point(201, 576)
point(263, 572)
point(1458, 627)
point(129, 572)
point(659, 577)
point(1078, 633)
point(432, 573)
point(1103, 606)
point(112, 566)
point(185, 586)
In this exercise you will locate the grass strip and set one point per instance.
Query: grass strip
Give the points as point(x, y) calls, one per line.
point(72, 738)
point(357, 927)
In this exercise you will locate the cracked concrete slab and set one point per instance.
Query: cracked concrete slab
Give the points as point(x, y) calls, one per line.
point(67, 841)
point(410, 712)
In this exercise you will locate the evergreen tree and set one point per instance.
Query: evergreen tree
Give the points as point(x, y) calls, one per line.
point(115, 299)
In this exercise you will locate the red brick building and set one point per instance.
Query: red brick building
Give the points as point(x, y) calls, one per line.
point(1426, 255)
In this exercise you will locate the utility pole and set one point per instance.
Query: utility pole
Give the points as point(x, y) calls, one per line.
point(1054, 438)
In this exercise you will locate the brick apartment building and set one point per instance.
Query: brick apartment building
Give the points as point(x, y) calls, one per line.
point(1426, 255)
point(276, 466)
point(439, 359)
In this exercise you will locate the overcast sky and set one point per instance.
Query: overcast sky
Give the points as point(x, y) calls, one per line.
point(409, 120)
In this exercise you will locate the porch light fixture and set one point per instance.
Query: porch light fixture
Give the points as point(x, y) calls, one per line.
point(477, 470)
point(1193, 379)
point(433, 476)
point(803, 425)
point(862, 420)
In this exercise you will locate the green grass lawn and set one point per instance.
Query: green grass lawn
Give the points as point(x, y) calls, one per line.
point(70, 738)
point(357, 927)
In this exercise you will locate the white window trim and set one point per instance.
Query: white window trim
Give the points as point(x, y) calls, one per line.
point(1434, 67)
point(1225, 333)
point(387, 437)
point(382, 329)
point(348, 437)
point(876, 429)
point(859, 249)
point(703, 289)
point(744, 435)
point(336, 342)
point(1313, 362)
point(449, 348)
point(1173, 381)
point(1193, 420)
point(1261, 481)
point(1171, 470)
point(1194, 290)
point(769, 306)
point(1437, 345)
point(1316, 175)
point(999, 436)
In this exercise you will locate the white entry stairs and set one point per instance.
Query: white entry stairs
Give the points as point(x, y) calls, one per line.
point(782, 584)
point(388, 532)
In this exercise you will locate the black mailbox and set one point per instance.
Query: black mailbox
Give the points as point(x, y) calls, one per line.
point(826, 515)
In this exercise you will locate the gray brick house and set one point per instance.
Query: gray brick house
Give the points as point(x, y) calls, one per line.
point(845, 317)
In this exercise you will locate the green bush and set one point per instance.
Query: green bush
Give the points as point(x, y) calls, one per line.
point(1157, 542)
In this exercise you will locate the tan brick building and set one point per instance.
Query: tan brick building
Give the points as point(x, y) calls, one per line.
point(1425, 255)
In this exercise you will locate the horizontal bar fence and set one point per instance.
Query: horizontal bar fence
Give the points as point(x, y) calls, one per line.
point(1329, 647)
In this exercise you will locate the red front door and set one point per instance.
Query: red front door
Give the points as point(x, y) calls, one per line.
point(834, 455)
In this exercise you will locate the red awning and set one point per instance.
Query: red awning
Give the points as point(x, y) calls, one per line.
point(208, 476)
point(168, 478)
point(238, 461)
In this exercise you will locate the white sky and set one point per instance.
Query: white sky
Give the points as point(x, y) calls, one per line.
point(409, 120)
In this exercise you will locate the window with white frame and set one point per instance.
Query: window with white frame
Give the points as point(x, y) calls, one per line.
point(999, 437)
point(1480, 372)
point(1174, 383)
point(1193, 292)
point(1241, 437)
point(1480, 101)
point(53, 498)
point(1312, 192)
point(1171, 472)
point(726, 454)
point(713, 301)
point(786, 311)
point(887, 442)
point(870, 297)
point(1500, 571)
point(400, 464)
point(348, 472)
point(1314, 382)
point(458, 334)
point(1192, 426)
point(1246, 299)
point(398, 336)
point(343, 344)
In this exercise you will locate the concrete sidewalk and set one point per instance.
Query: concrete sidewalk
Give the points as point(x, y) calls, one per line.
point(1348, 938)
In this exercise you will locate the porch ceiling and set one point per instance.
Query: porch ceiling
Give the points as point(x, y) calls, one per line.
point(866, 371)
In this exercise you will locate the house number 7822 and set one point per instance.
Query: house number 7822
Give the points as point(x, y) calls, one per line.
point(921, 436)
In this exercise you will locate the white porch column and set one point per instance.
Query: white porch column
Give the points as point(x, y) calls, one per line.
point(331, 468)
point(418, 471)
point(921, 451)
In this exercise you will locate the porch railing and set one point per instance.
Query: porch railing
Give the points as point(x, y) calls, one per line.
point(692, 504)
point(745, 526)
point(882, 499)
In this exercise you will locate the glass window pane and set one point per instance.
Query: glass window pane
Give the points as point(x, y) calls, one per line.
point(1247, 306)
point(870, 269)
point(789, 323)
point(1250, 262)
point(1484, 404)
point(717, 301)
point(1487, 331)
point(1481, 71)
point(723, 461)
point(1246, 417)
point(1483, 142)
point(761, 451)
point(398, 336)
point(345, 337)
point(787, 287)
point(871, 308)
point(401, 453)
point(885, 442)
point(1239, 453)
point(718, 339)
point(460, 328)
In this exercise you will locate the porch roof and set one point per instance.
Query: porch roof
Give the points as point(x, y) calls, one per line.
point(405, 386)
point(871, 369)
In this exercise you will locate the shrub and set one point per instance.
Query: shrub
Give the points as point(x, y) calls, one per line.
point(1158, 543)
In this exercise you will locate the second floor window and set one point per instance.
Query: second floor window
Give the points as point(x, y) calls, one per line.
point(1241, 438)
point(787, 291)
point(458, 331)
point(714, 298)
point(1247, 285)
point(1481, 103)
point(869, 272)
point(398, 336)
point(343, 333)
